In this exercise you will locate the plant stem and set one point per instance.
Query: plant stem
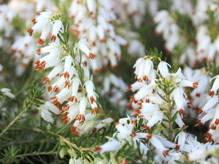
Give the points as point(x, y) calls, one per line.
point(65, 140)
point(170, 126)
point(13, 121)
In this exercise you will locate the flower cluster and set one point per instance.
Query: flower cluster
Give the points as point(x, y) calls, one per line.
point(199, 41)
point(69, 84)
point(203, 102)
point(93, 21)
point(160, 107)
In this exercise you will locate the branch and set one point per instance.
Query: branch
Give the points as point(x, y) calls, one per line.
point(13, 121)
point(65, 140)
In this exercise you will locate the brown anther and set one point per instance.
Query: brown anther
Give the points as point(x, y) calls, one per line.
point(93, 43)
point(46, 80)
point(49, 88)
point(34, 21)
point(74, 131)
point(38, 51)
point(165, 153)
point(85, 63)
point(216, 121)
point(116, 123)
point(199, 123)
point(114, 66)
point(56, 89)
point(209, 137)
point(67, 84)
point(213, 127)
point(146, 127)
point(136, 113)
point(66, 121)
point(147, 100)
point(211, 93)
point(95, 110)
point(197, 94)
point(149, 136)
point(66, 107)
point(56, 103)
point(195, 84)
point(177, 147)
point(73, 128)
point(130, 106)
point(187, 157)
point(20, 52)
point(96, 71)
point(123, 161)
point(133, 122)
point(139, 80)
point(37, 62)
point(53, 38)
point(30, 31)
point(102, 40)
point(133, 134)
point(40, 41)
point(145, 78)
point(73, 98)
point(98, 148)
point(91, 56)
point(81, 118)
point(92, 100)
point(181, 111)
point(200, 111)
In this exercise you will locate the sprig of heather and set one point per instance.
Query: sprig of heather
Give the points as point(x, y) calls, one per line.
point(69, 84)
point(156, 125)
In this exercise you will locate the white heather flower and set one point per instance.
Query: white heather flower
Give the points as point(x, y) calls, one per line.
point(136, 47)
point(75, 87)
point(91, 6)
point(57, 26)
point(103, 123)
point(7, 92)
point(157, 143)
point(151, 113)
point(82, 105)
point(178, 96)
point(91, 96)
point(211, 103)
point(163, 69)
point(124, 128)
point(46, 115)
point(215, 86)
point(112, 145)
point(143, 69)
point(83, 46)
point(54, 72)
point(118, 82)
point(51, 107)
point(6, 17)
point(44, 25)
